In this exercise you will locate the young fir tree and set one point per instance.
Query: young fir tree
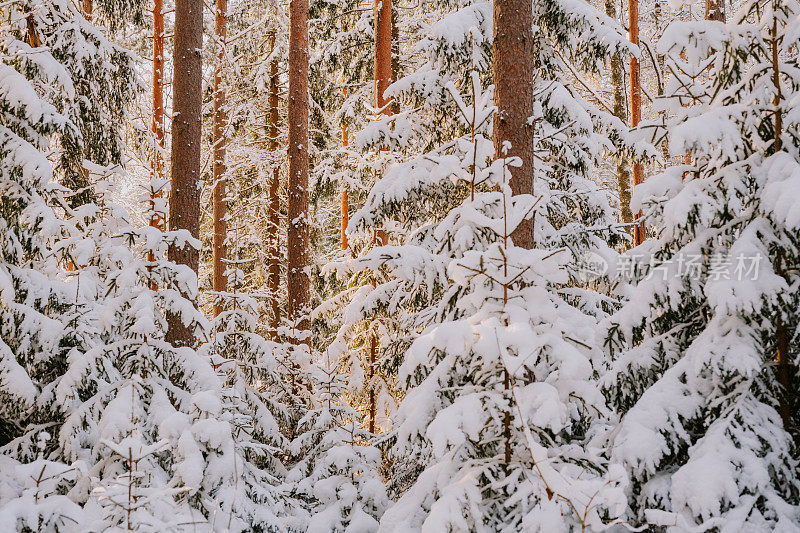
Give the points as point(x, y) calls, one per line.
point(709, 422)
point(102, 84)
point(431, 144)
point(169, 442)
point(501, 428)
point(38, 329)
point(50, 54)
point(336, 477)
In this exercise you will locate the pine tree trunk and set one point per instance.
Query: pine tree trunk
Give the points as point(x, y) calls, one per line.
point(513, 77)
point(88, 9)
point(636, 107)
point(383, 52)
point(157, 216)
point(345, 206)
point(781, 334)
point(715, 10)
point(219, 141)
point(395, 55)
point(618, 85)
point(297, 116)
point(32, 35)
point(383, 68)
point(157, 125)
point(384, 33)
point(273, 238)
point(187, 88)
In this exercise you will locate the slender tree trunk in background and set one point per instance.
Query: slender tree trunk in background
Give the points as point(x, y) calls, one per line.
point(781, 334)
point(513, 77)
point(623, 168)
point(383, 52)
point(345, 206)
point(187, 87)
point(219, 169)
point(636, 107)
point(715, 10)
point(88, 9)
point(32, 35)
point(395, 55)
point(383, 68)
point(345, 219)
point(297, 116)
point(157, 215)
point(273, 236)
point(157, 125)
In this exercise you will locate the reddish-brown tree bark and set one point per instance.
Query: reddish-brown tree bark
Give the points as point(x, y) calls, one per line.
point(157, 124)
point(345, 206)
point(297, 117)
point(383, 53)
point(715, 10)
point(273, 240)
point(88, 8)
point(383, 69)
point(187, 89)
point(220, 282)
point(513, 77)
point(618, 87)
point(636, 106)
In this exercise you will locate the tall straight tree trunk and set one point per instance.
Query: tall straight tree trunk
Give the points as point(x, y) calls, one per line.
point(187, 87)
point(715, 10)
point(297, 116)
point(88, 9)
point(345, 205)
point(383, 78)
point(636, 106)
point(623, 168)
point(383, 52)
point(782, 336)
point(513, 77)
point(383, 68)
point(157, 125)
point(273, 238)
point(157, 182)
point(219, 169)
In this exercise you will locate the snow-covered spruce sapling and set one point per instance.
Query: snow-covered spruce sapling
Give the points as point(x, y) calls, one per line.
point(502, 426)
point(336, 476)
point(708, 432)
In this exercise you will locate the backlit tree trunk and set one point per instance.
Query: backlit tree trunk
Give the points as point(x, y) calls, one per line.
point(187, 89)
point(383, 52)
point(513, 76)
point(157, 125)
point(383, 68)
point(715, 10)
point(623, 168)
point(297, 117)
point(636, 106)
point(219, 169)
point(273, 236)
point(345, 206)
